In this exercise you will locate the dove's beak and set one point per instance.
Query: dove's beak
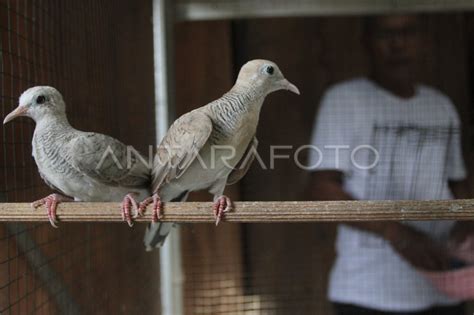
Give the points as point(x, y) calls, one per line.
point(287, 85)
point(19, 111)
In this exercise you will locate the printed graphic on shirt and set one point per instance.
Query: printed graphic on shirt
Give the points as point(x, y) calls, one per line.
point(413, 161)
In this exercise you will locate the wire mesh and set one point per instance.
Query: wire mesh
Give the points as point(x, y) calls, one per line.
point(77, 48)
point(99, 55)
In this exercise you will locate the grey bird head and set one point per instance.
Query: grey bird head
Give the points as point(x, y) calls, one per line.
point(39, 102)
point(265, 76)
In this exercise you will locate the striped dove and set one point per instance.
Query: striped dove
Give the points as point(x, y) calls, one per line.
point(83, 166)
point(211, 146)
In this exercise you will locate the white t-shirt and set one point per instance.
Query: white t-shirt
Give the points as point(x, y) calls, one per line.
point(415, 146)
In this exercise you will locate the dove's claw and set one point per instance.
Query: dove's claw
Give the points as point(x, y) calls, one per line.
point(145, 203)
point(38, 203)
point(157, 208)
point(128, 204)
point(51, 203)
point(142, 206)
point(221, 205)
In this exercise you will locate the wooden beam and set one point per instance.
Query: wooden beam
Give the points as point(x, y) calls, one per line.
point(195, 10)
point(274, 211)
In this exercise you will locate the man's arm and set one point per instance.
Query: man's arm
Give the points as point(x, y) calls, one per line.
point(414, 246)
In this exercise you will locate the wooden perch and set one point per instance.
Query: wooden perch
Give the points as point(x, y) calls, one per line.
point(272, 211)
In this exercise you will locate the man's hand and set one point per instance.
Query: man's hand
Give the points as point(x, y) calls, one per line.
point(417, 248)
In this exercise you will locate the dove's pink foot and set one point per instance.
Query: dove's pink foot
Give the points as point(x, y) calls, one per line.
point(51, 203)
point(221, 205)
point(157, 207)
point(128, 204)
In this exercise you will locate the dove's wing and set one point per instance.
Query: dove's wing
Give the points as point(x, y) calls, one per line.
point(180, 146)
point(108, 160)
point(244, 164)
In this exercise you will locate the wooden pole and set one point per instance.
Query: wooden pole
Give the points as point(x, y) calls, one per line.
point(271, 211)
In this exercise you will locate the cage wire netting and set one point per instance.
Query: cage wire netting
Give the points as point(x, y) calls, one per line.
point(75, 47)
point(99, 54)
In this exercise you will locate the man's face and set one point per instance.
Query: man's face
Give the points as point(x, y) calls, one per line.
point(395, 43)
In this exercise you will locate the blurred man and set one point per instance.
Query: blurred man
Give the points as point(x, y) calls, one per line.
point(388, 137)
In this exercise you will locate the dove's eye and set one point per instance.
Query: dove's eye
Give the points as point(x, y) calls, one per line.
point(40, 99)
point(269, 70)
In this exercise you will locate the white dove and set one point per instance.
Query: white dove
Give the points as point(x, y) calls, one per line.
point(83, 166)
point(211, 146)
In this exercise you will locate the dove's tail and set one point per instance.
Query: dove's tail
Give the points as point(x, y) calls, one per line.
point(156, 233)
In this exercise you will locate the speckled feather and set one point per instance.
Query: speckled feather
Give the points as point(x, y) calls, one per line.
point(188, 145)
point(73, 162)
